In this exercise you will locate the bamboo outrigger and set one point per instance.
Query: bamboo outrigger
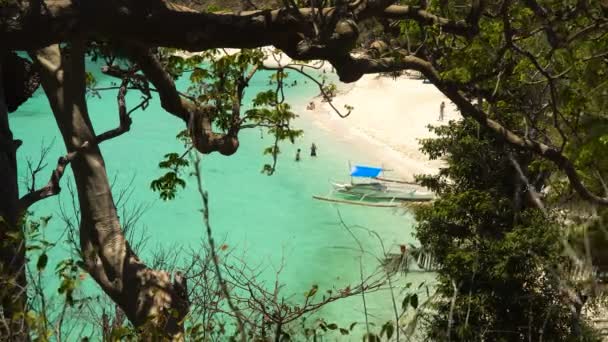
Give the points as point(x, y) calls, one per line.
point(335, 200)
point(380, 192)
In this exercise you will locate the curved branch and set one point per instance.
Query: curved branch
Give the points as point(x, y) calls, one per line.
point(123, 116)
point(154, 72)
point(197, 117)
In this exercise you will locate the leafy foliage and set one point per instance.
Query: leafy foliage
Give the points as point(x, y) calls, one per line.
point(41, 315)
point(218, 80)
point(500, 258)
point(168, 183)
point(277, 119)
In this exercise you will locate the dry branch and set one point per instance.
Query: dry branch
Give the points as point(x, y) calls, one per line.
point(52, 188)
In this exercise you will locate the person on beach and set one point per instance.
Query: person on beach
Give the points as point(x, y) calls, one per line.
point(441, 110)
point(313, 150)
point(298, 155)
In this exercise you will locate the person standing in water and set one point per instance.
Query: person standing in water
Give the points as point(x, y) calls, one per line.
point(298, 155)
point(441, 110)
point(313, 150)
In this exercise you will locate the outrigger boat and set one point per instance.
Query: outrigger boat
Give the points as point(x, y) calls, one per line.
point(378, 191)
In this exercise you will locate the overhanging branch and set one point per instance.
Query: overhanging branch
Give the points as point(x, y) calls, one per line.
point(197, 116)
point(160, 23)
point(155, 23)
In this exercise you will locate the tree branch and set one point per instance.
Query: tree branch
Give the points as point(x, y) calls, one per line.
point(424, 17)
point(33, 171)
point(198, 117)
point(170, 98)
point(158, 23)
point(223, 286)
point(147, 296)
point(300, 68)
point(124, 118)
point(52, 188)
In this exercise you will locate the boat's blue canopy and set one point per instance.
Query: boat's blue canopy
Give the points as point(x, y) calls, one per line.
point(365, 171)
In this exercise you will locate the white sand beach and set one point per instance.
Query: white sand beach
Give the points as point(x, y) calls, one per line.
point(273, 58)
point(388, 119)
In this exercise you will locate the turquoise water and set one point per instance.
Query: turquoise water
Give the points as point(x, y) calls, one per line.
point(269, 218)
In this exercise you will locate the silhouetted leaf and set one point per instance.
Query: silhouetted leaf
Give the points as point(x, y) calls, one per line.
point(414, 301)
point(42, 261)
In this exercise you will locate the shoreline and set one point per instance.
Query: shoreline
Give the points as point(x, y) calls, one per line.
point(386, 132)
point(273, 58)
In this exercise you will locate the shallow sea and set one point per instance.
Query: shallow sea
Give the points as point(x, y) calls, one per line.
point(269, 218)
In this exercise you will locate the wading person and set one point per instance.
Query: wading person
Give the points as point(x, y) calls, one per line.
point(441, 110)
point(313, 150)
point(298, 155)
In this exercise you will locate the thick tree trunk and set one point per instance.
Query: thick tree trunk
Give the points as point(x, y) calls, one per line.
point(12, 244)
point(146, 296)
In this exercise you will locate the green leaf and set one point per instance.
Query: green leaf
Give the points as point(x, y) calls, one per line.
point(312, 291)
point(406, 301)
point(42, 261)
point(387, 328)
point(371, 338)
point(414, 301)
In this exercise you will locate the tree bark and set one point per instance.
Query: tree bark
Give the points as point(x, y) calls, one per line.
point(12, 244)
point(36, 23)
point(147, 296)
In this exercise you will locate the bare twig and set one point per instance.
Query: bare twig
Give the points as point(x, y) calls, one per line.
point(205, 210)
point(361, 249)
point(52, 187)
point(325, 95)
point(33, 171)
